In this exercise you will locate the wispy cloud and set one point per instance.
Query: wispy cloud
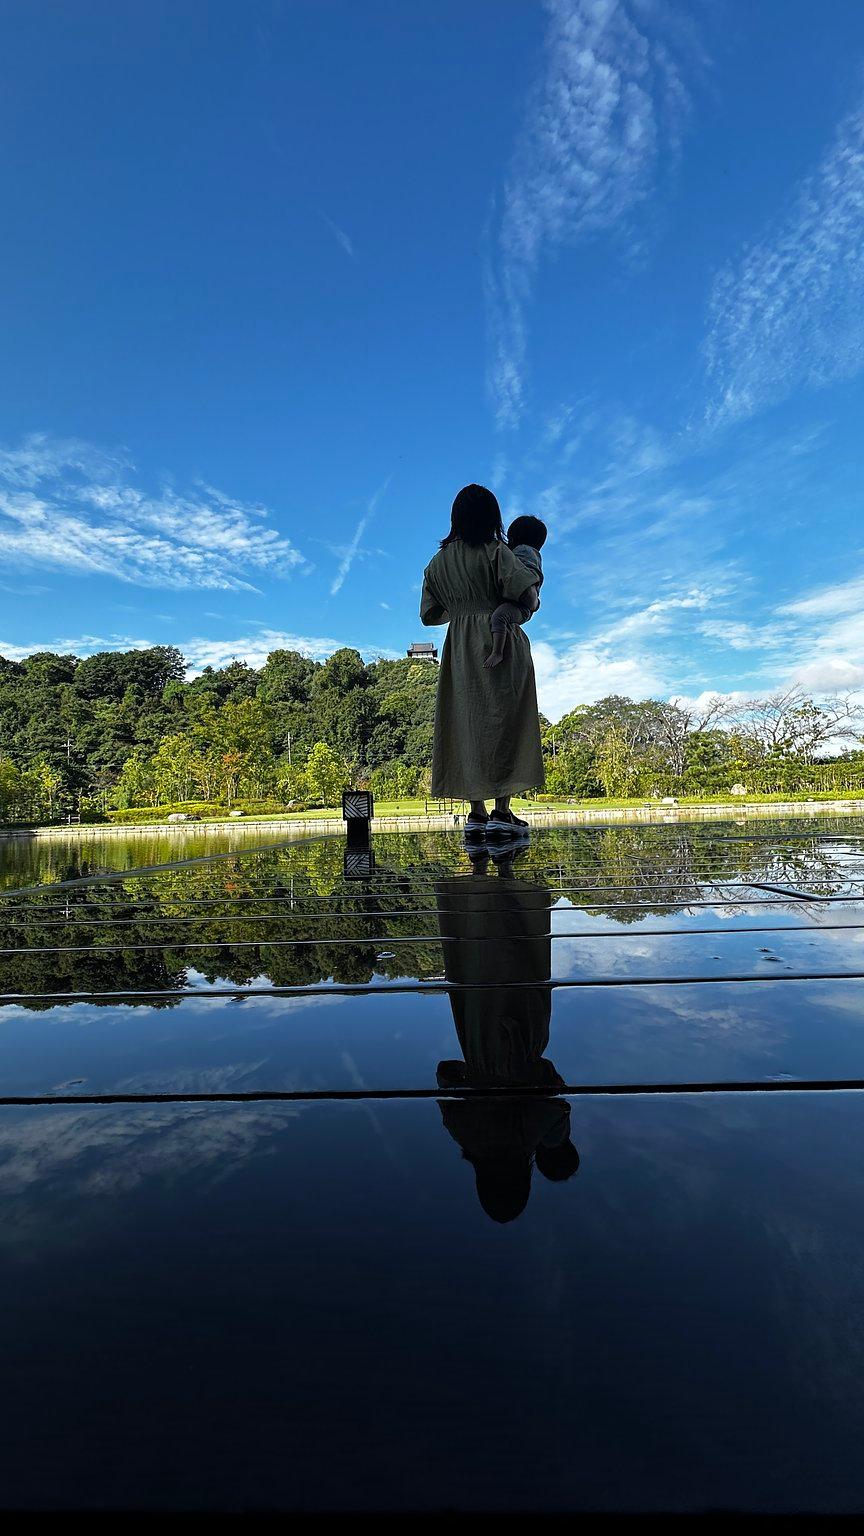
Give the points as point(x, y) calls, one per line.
point(738, 635)
point(344, 240)
point(790, 313)
point(657, 616)
point(69, 506)
point(606, 113)
point(348, 553)
point(829, 602)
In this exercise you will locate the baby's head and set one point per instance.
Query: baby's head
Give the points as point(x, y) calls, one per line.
point(527, 530)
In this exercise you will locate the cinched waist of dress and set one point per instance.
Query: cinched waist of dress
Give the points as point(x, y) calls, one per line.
point(465, 610)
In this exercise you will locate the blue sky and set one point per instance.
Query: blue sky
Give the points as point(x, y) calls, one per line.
point(278, 278)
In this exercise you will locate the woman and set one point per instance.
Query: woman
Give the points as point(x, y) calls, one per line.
point(487, 731)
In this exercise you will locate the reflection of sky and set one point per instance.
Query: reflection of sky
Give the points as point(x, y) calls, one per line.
point(107, 1152)
point(694, 1285)
point(691, 1287)
point(336, 1042)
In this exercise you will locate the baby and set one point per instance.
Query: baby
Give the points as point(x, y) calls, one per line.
point(526, 537)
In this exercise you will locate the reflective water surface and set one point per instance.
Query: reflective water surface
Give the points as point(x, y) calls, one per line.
point(259, 1306)
point(444, 1271)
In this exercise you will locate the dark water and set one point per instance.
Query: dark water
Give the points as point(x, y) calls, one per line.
point(446, 1271)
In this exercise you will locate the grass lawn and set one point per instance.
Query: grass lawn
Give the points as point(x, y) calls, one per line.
point(417, 807)
point(521, 805)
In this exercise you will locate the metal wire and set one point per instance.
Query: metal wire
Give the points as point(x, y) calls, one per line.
point(493, 1092)
point(602, 907)
point(366, 940)
point(439, 984)
point(369, 892)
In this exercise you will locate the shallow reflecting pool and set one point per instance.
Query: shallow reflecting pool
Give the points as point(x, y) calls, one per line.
point(391, 1305)
point(483, 1182)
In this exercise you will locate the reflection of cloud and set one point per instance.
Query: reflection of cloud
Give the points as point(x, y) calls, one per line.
point(91, 1150)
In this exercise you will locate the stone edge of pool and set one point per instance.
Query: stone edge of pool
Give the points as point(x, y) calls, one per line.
point(303, 826)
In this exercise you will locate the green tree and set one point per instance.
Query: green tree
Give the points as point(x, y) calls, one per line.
point(136, 784)
point(11, 789)
point(325, 775)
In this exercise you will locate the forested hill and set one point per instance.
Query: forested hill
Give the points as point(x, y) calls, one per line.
point(125, 729)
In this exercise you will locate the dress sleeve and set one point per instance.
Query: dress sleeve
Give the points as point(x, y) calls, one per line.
point(512, 576)
point(432, 610)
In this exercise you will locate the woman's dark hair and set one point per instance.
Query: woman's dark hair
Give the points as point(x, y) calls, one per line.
point(475, 517)
point(503, 1185)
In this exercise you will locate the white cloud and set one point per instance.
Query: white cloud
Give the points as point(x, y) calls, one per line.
point(657, 616)
point(344, 240)
point(739, 636)
point(824, 637)
point(40, 457)
point(254, 649)
point(830, 674)
point(201, 652)
point(606, 113)
point(349, 552)
point(843, 597)
point(790, 313)
point(81, 645)
point(582, 673)
point(68, 506)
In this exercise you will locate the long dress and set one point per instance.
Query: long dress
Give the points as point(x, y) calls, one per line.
point(487, 731)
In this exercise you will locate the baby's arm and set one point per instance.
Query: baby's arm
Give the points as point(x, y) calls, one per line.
point(505, 616)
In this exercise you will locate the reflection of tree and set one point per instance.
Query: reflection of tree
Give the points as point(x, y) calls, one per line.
point(239, 907)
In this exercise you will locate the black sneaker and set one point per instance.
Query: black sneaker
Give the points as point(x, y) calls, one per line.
point(475, 826)
point(505, 824)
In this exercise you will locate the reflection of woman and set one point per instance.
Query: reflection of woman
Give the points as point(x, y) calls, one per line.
point(503, 1030)
point(487, 731)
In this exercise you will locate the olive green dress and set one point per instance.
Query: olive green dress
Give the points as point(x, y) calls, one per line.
point(487, 731)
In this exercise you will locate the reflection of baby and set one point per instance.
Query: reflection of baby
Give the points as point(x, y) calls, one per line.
point(526, 537)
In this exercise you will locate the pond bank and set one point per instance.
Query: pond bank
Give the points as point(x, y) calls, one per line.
point(305, 827)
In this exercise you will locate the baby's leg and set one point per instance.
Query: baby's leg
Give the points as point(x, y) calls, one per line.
point(502, 621)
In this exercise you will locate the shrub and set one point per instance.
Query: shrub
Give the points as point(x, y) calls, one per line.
point(206, 810)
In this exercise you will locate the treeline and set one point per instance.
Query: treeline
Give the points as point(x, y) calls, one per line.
point(773, 743)
point(122, 730)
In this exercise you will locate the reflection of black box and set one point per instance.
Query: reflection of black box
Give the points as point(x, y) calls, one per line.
point(357, 805)
point(358, 863)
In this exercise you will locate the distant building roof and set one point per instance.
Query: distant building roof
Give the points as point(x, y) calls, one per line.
point(423, 650)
